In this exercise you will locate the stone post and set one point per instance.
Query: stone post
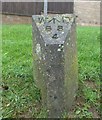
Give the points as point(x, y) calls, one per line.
point(55, 61)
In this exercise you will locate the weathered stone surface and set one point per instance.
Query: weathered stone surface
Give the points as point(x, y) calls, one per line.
point(55, 61)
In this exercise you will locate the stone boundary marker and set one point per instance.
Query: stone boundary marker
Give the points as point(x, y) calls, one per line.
point(55, 61)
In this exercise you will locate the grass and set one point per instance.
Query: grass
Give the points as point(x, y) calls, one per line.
point(22, 97)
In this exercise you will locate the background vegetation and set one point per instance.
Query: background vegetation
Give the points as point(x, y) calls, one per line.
point(21, 98)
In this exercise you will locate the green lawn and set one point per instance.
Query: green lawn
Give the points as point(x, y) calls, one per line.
point(21, 99)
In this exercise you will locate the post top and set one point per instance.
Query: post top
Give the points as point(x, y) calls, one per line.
point(54, 15)
point(54, 28)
